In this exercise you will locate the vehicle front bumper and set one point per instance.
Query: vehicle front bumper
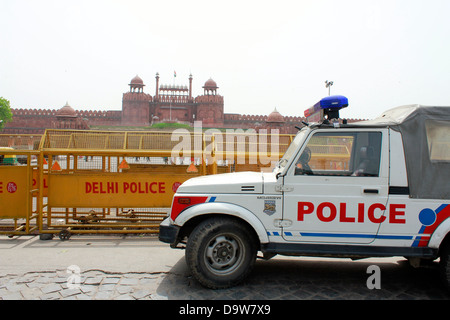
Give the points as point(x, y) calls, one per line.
point(168, 232)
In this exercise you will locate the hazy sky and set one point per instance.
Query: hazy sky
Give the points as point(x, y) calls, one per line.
point(262, 54)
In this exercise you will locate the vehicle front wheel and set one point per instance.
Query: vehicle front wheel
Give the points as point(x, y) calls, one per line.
point(221, 252)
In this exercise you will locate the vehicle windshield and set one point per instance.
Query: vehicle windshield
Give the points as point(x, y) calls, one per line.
point(291, 151)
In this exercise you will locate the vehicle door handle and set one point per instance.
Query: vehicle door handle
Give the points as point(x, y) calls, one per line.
point(373, 191)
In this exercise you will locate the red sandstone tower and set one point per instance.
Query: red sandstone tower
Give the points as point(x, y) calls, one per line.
point(135, 104)
point(210, 105)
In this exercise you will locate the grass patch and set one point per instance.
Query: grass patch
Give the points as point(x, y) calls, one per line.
point(173, 125)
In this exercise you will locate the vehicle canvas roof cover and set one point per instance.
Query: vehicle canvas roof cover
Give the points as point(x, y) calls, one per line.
point(426, 138)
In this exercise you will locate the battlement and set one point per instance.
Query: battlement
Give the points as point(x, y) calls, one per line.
point(209, 99)
point(257, 118)
point(136, 96)
point(52, 112)
point(33, 112)
point(99, 114)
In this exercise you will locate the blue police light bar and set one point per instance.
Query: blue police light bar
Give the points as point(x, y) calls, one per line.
point(328, 106)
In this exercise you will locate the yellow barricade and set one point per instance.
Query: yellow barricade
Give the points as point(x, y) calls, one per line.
point(14, 189)
point(113, 190)
point(82, 181)
point(109, 182)
point(17, 166)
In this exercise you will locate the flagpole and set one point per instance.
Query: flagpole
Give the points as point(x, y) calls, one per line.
point(170, 106)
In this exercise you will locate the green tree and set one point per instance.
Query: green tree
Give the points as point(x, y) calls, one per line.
point(5, 112)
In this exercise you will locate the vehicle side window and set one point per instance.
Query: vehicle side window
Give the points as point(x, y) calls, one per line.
point(341, 154)
point(438, 139)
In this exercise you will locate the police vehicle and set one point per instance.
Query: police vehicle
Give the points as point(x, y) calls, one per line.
point(374, 188)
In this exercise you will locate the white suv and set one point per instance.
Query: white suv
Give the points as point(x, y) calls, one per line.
point(368, 189)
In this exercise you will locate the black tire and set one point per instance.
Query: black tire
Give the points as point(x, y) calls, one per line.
point(444, 266)
point(221, 252)
point(64, 235)
point(46, 236)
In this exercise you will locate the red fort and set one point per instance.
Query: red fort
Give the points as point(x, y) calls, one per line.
point(170, 103)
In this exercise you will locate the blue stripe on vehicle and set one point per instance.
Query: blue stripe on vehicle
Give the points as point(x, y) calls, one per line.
point(394, 237)
point(442, 206)
point(416, 241)
point(351, 235)
point(345, 235)
point(212, 199)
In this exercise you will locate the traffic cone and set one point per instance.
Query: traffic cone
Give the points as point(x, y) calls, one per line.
point(124, 165)
point(56, 166)
point(192, 168)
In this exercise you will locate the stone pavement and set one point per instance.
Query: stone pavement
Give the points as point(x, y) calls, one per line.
point(92, 285)
point(280, 278)
point(288, 281)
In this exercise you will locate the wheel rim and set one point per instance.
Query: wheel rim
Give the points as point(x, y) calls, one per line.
point(224, 254)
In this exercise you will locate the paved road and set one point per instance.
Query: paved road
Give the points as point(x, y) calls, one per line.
point(135, 268)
